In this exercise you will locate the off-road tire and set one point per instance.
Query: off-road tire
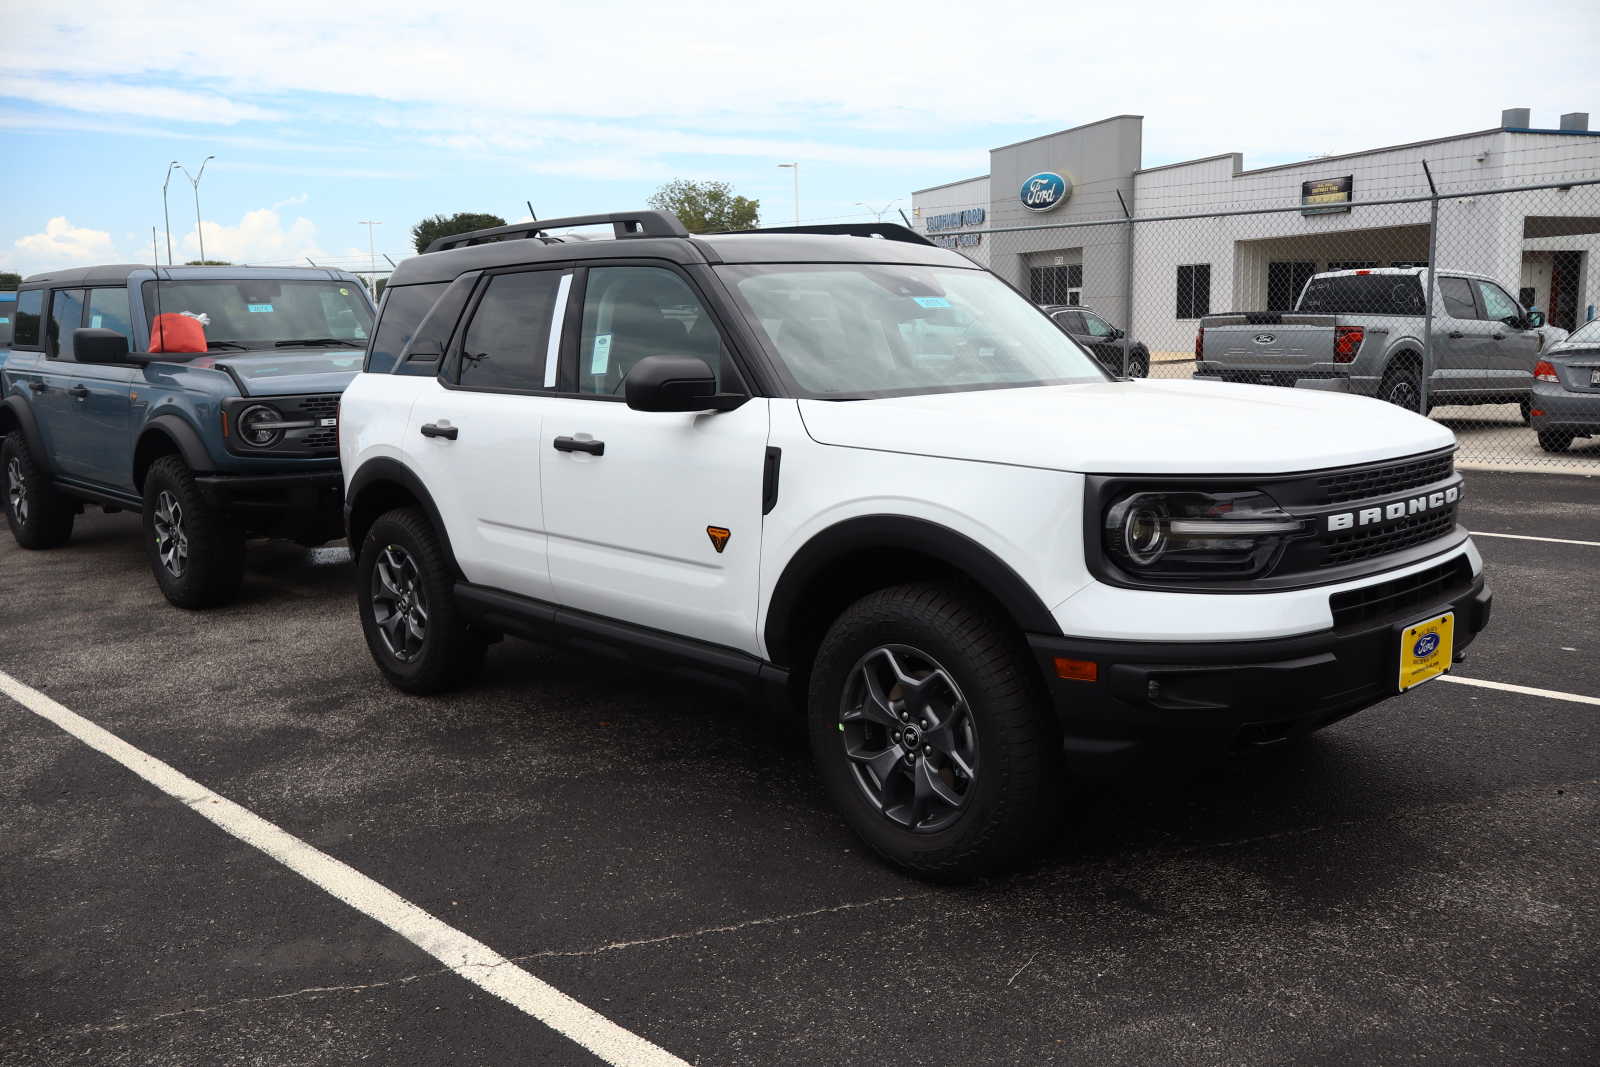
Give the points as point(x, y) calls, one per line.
point(450, 652)
point(1014, 796)
point(49, 514)
point(1554, 440)
point(212, 567)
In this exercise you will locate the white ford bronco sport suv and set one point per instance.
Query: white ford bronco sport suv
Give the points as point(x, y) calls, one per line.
point(852, 472)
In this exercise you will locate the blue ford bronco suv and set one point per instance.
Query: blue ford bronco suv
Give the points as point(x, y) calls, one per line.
point(227, 431)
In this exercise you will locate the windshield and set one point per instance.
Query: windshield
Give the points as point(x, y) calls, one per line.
point(1365, 294)
point(856, 330)
point(1587, 334)
point(262, 312)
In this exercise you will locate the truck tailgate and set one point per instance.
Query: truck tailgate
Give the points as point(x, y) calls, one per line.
point(1268, 340)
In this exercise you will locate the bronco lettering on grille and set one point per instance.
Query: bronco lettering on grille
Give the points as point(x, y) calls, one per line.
point(1417, 505)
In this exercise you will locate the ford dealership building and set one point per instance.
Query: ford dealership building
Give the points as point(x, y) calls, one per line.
point(1079, 184)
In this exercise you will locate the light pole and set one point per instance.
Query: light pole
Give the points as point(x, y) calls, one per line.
point(372, 256)
point(165, 216)
point(880, 212)
point(796, 168)
point(195, 181)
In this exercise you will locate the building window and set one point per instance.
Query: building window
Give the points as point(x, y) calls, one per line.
point(1055, 285)
point(1194, 290)
point(1285, 282)
point(1352, 264)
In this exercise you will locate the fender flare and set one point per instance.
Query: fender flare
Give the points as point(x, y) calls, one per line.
point(184, 436)
point(30, 431)
point(385, 470)
point(925, 538)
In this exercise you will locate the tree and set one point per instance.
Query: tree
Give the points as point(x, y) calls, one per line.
point(706, 207)
point(9, 281)
point(434, 227)
point(208, 263)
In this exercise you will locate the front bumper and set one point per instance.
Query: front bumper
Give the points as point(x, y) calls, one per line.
point(305, 506)
point(1561, 410)
point(1226, 694)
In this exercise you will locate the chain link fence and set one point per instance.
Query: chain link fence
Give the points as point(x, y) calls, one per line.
point(1498, 343)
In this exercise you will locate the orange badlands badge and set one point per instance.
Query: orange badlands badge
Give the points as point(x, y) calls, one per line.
point(719, 537)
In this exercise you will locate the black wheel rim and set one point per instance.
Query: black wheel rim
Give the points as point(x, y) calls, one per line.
point(909, 736)
point(399, 604)
point(1404, 394)
point(17, 490)
point(172, 539)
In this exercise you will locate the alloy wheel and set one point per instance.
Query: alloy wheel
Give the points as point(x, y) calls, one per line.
point(172, 539)
point(1402, 393)
point(910, 737)
point(399, 604)
point(17, 490)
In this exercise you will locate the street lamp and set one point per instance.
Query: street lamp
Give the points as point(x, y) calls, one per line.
point(372, 255)
point(796, 168)
point(880, 212)
point(195, 181)
point(166, 217)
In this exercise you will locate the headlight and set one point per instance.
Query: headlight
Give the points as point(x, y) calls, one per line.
point(1186, 534)
point(258, 426)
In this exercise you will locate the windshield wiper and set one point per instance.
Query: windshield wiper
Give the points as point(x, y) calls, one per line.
point(227, 344)
point(320, 342)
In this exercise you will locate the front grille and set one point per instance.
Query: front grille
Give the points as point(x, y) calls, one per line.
point(320, 406)
point(1384, 478)
point(1354, 546)
point(1424, 589)
point(322, 439)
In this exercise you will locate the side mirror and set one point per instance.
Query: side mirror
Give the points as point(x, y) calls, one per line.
point(675, 383)
point(1535, 319)
point(1118, 334)
point(99, 346)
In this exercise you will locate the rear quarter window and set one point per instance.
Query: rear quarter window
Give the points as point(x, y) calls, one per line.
point(25, 324)
point(1364, 294)
point(8, 311)
point(404, 308)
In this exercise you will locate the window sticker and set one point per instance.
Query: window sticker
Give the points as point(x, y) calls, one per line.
point(344, 292)
point(600, 358)
point(258, 307)
point(3, 320)
point(932, 301)
point(95, 320)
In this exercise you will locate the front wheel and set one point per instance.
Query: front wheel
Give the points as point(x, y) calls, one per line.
point(39, 516)
point(931, 732)
point(196, 555)
point(408, 613)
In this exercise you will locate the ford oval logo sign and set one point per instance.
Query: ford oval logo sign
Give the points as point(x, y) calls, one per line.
point(1045, 191)
point(1426, 646)
point(1264, 338)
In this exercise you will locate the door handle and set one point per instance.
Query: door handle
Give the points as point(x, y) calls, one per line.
point(1455, 335)
point(572, 444)
point(1498, 336)
point(433, 429)
point(38, 387)
point(79, 392)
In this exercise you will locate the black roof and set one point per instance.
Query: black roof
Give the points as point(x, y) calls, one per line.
point(655, 240)
point(117, 273)
point(108, 274)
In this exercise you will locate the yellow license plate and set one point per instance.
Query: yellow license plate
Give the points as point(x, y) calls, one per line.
point(1426, 649)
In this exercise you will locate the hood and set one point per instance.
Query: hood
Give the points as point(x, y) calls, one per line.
point(290, 372)
point(1136, 427)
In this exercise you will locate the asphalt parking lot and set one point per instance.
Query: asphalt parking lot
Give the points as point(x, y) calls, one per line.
point(1420, 883)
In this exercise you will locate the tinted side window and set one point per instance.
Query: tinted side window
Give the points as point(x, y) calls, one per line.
point(1496, 304)
point(633, 312)
point(1097, 326)
point(1071, 321)
point(403, 309)
point(66, 315)
point(1457, 298)
point(108, 310)
point(30, 305)
point(506, 340)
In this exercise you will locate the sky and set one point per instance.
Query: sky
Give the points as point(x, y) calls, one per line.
point(321, 115)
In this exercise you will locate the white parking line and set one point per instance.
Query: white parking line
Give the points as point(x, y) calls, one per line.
point(1526, 690)
point(471, 959)
point(1527, 537)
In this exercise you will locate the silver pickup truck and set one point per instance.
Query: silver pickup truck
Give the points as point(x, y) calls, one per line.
point(1362, 331)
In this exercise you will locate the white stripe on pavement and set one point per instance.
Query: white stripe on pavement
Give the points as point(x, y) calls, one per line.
point(1526, 537)
point(471, 959)
point(1526, 690)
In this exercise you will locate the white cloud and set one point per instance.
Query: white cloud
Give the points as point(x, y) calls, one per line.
point(102, 97)
point(260, 238)
point(61, 244)
point(298, 198)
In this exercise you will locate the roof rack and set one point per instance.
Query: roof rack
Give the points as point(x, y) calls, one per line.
point(623, 224)
point(888, 231)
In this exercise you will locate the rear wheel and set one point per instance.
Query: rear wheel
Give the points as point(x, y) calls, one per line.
point(1139, 364)
point(931, 732)
point(1402, 387)
point(196, 555)
point(408, 612)
point(1554, 440)
point(39, 516)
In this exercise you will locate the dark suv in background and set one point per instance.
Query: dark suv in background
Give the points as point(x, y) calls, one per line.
point(1106, 341)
